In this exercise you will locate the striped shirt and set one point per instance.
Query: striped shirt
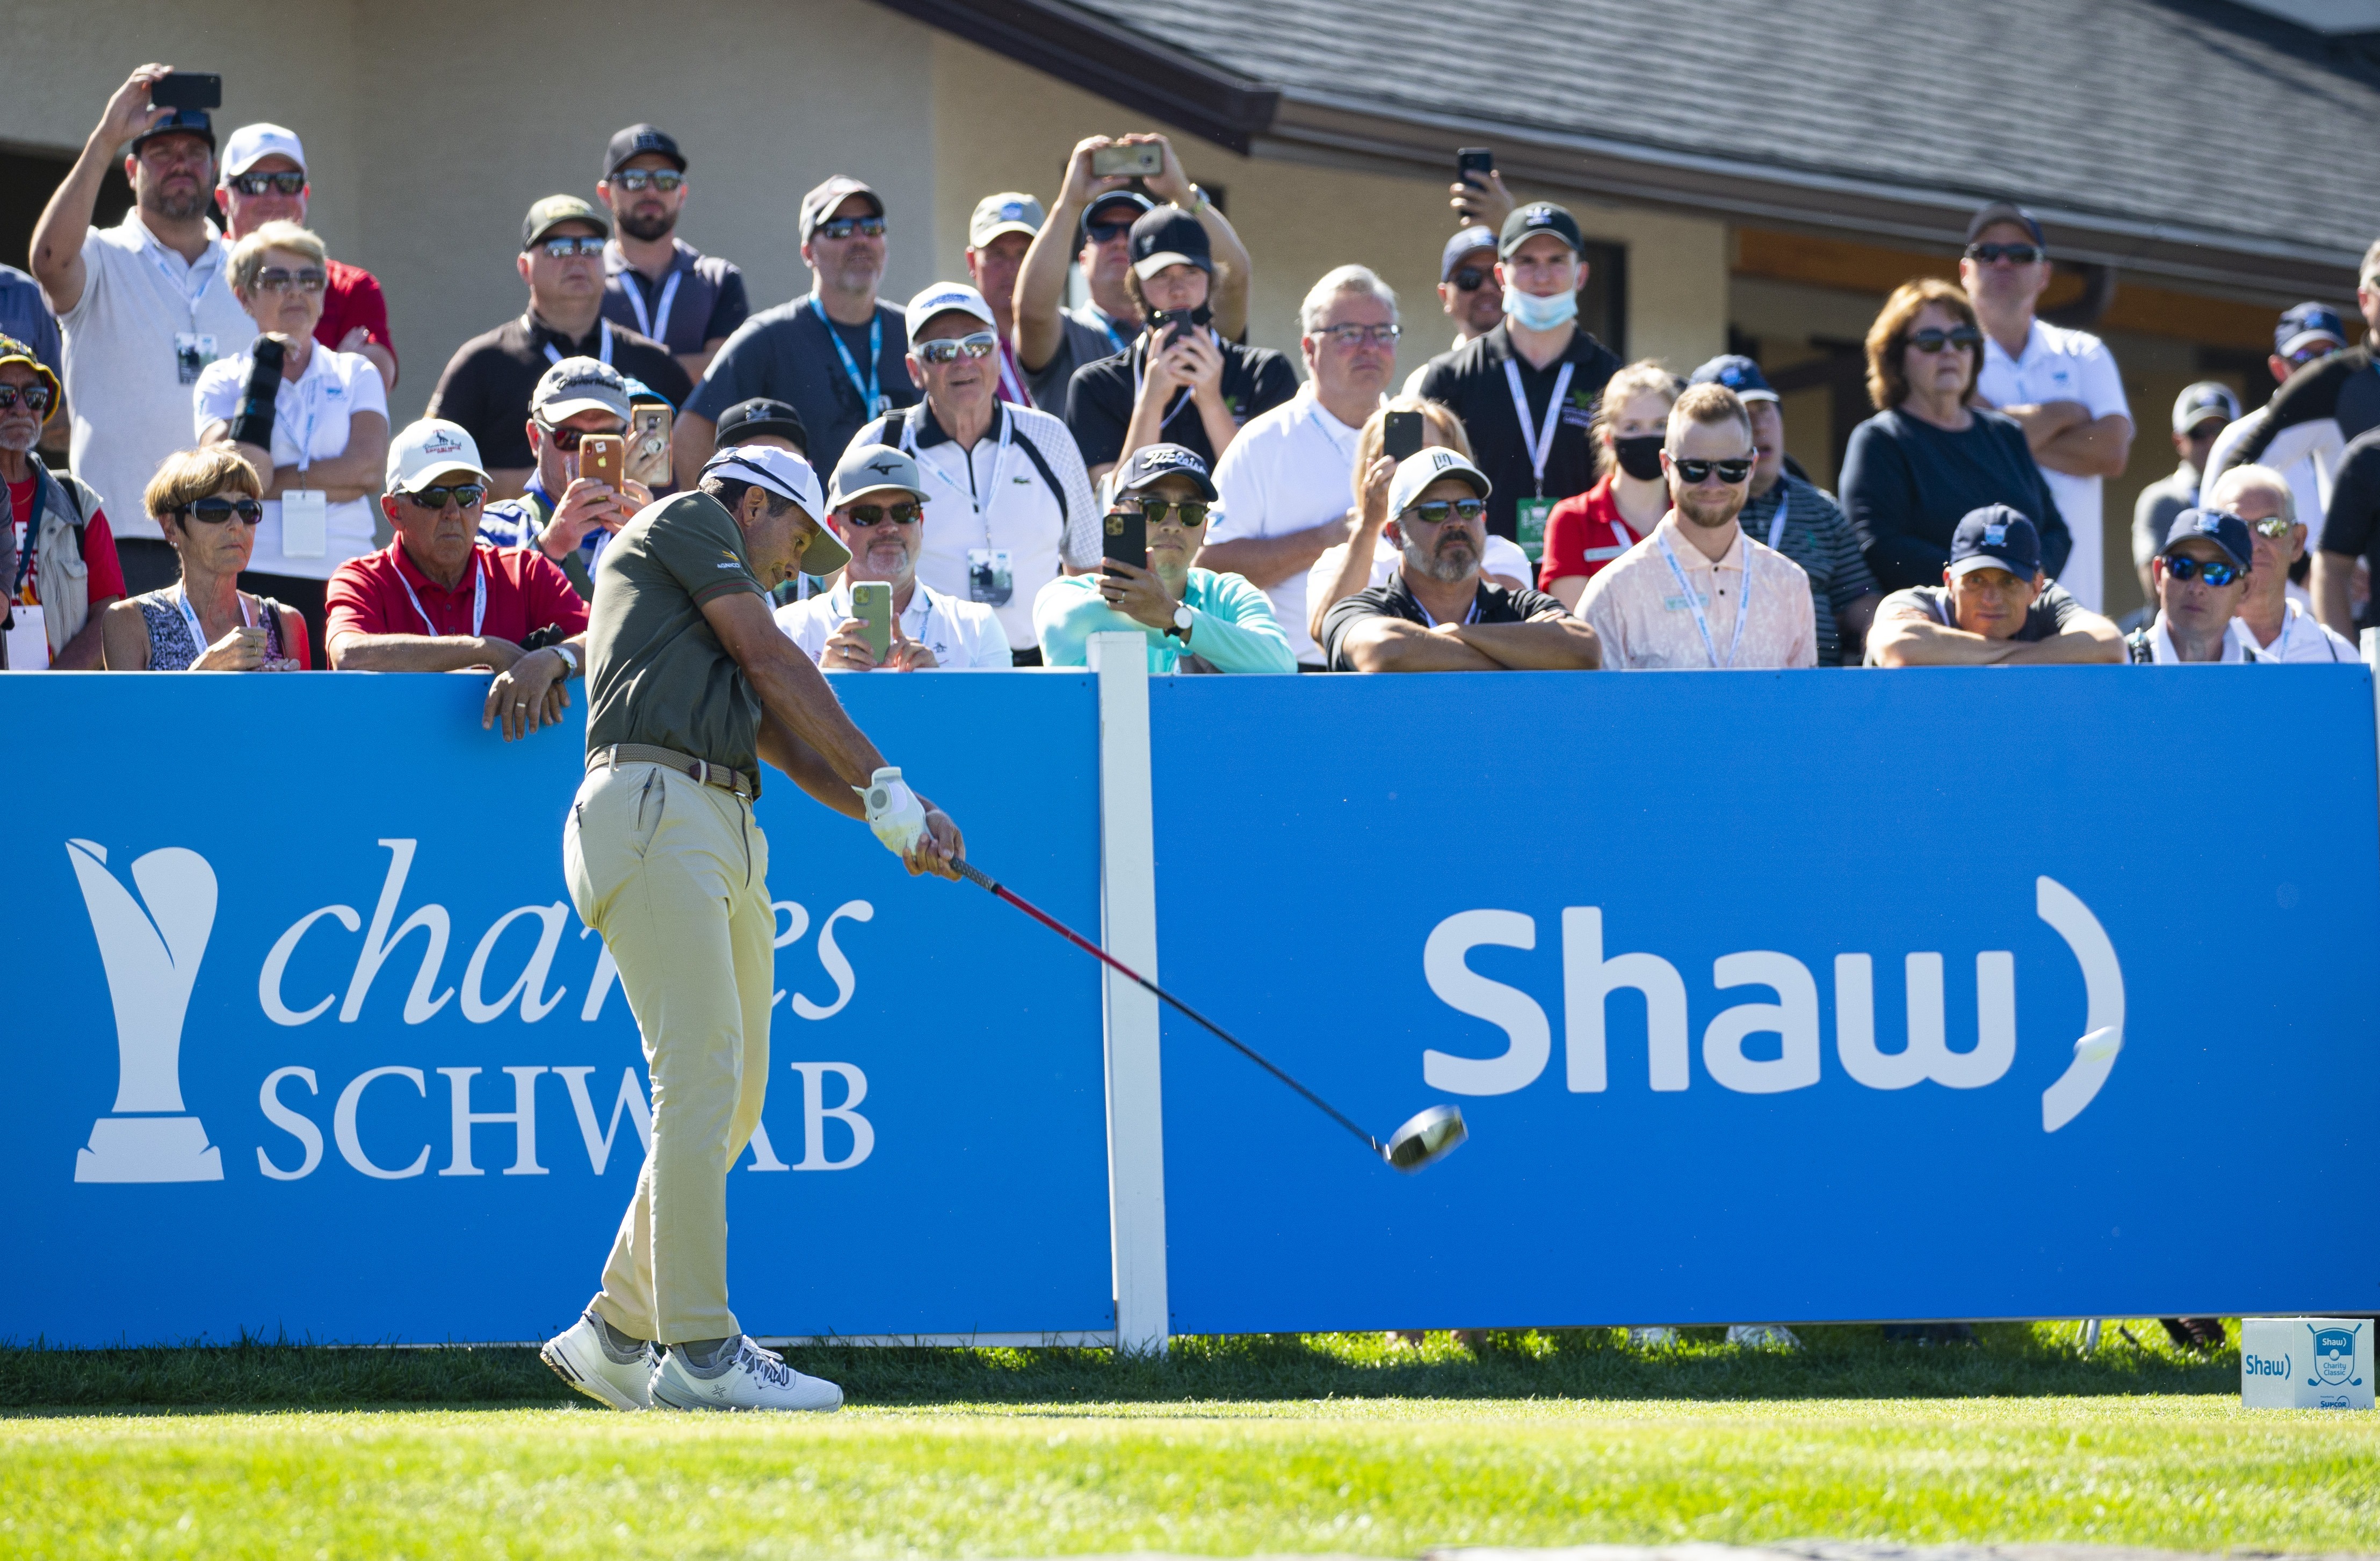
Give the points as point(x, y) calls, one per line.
point(1819, 536)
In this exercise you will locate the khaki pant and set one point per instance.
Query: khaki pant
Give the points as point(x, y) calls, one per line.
point(674, 874)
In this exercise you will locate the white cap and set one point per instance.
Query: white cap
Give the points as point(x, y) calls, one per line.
point(788, 477)
point(251, 144)
point(942, 298)
point(1421, 468)
point(431, 447)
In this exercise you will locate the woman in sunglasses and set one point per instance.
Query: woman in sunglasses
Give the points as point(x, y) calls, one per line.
point(1930, 456)
point(208, 502)
point(311, 421)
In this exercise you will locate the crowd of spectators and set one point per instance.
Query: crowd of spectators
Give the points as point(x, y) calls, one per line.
point(1012, 473)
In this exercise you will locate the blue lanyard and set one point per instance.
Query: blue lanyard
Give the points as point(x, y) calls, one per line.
point(871, 390)
point(1693, 603)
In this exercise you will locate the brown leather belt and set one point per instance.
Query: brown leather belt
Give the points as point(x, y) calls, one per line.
point(709, 774)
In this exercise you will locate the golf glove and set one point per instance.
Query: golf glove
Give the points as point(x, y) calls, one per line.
point(894, 813)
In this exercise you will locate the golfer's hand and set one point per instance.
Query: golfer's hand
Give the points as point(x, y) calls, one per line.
point(939, 850)
point(531, 692)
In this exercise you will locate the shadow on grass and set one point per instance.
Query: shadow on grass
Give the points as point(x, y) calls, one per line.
point(2011, 1359)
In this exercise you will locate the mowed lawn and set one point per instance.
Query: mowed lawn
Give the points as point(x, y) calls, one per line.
point(1534, 1440)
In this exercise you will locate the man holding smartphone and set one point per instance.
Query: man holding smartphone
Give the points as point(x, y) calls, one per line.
point(563, 512)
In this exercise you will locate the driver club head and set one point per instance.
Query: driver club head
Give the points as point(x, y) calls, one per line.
point(1427, 1139)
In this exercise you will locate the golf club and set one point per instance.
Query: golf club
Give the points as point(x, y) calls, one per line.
point(1428, 1137)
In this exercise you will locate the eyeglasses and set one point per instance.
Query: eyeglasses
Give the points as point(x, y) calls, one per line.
point(288, 183)
point(1438, 511)
point(1470, 279)
point(215, 511)
point(902, 513)
point(2312, 352)
point(2274, 526)
point(1930, 340)
point(2015, 254)
point(35, 398)
point(1108, 233)
point(949, 350)
point(1190, 514)
point(636, 180)
point(462, 493)
point(1356, 335)
point(1695, 472)
point(566, 440)
point(843, 227)
point(571, 244)
point(278, 279)
point(2221, 573)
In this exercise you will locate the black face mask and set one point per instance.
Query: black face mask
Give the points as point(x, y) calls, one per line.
point(1641, 458)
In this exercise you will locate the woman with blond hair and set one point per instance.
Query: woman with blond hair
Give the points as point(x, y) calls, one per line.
point(1630, 496)
point(208, 502)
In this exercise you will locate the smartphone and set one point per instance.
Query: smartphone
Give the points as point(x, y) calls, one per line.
point(186, 89)
point(603, 458)
point(1401, 435)
point(871, 603)
point(1140, 160)
point(648, 444)
point(1127, 536)
point(1471, 160)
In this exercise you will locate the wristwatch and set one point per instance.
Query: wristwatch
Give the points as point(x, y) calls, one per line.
point(1202, 202)
point(569, 660)
point(1183, 619)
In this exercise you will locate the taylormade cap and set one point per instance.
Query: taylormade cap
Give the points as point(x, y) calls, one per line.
point(14, 351)
point(945, 297)
point(1421, 468)
point(788, 477)
point(874, 468)
point(576, 385)
point(749, 419)
point(2208, 398)
point(554, 210)
point(1168, 236)
point(1537, 217)
point(429, 449)
point(1996, 537)
point(2004, 211)
point(251, 144)
point(2223, 528)
point(1471, 240)
point(1738, 373)
point(636, 140)
point(1151, 461)
point(820, 204)
point(1010, 212)
point(2308, 322)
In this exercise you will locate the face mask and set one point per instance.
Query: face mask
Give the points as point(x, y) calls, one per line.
point(1534, 313)
point(1640, 457)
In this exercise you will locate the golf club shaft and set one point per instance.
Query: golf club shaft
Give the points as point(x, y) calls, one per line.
point(974, 875)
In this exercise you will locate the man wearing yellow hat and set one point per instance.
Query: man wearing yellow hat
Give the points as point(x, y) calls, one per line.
point(57, 557)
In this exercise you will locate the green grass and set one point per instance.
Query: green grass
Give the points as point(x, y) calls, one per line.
point(1231, 1447)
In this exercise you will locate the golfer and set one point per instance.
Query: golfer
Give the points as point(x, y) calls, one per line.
point(690, 684)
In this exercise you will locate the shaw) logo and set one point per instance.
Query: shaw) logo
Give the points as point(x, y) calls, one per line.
point(2334, 1357)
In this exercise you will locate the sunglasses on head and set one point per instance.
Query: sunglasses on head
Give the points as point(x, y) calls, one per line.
point(288, 183)
point(1695, 472)
point(568, 245)
point(462, 493)
point(900, 514)
point(1965, 338)
point(1470, 279)
point(1438, 511)
point(636, 180)
point(950, 350)
point(2220, 572)
point(280, 279)
point(35, 398)
point(843, 227)
point(215, 511)
point(2015, 254)
point(1190, 514)
point(566, 440)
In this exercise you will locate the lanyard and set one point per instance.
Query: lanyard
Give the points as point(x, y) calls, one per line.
point(1693, 603)
point(1342, 438)
point(656, 325)
point(1539, 442)
point(181, 280)
point(479, 596)
point(190, 615)
point(1106, 323)
point(1430, 622)
point(554, 356)
point(1181, 397)
point(1012, 383)
point(871, 388)
point(1777, 526)
point(999, 464)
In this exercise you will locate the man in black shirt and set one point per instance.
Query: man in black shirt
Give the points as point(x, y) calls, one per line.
point(1526, 390)
point(2351, 528)
point(488, 382)
point(2319, 409)
point(1994, 608)
point(1179, 382)
point(1436, 614)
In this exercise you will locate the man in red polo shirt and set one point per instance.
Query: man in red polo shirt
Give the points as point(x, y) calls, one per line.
point(438, 599)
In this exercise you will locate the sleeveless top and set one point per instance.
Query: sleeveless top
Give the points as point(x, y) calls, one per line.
point(173, 647)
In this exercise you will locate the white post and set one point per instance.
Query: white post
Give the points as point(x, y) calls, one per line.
point(1128, 925)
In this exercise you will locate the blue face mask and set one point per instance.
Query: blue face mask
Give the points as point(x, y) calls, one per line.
point(1534, 313)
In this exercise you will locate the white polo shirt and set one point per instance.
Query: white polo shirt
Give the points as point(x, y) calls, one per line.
point(312, 420)
point(1289, 470)
point(124, 374)
point(2061, 364)
point(2304, 637)
point(963, 635)
point(2308, 475)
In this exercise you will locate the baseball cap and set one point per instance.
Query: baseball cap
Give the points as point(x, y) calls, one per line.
point(748, 419)
point(820, 204)
point(554, 210)
point(576, 385)
point(1011, 211)
point(1738, 373)
point(1168, 236)
point(2221, 527)
point(1996, 537)
point(181, 122)
point(251, 144)
point(1132, 198)
point(2004, 211)
point(643, 394)
point(2208, 398)
point(14, 351)
point(873, 468)
point(1423, 468)
point(1537, 217)
point(1151, 461)
point(431, 447)
point(942, 298)
point(788, 477)
point(1477, 236)
point(636, 140)
point(2307, 322)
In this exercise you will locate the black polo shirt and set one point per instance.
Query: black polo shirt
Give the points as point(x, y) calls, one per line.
point(1098, 400)
point(1470, 381)
point(1494, 604)
point(490, 379)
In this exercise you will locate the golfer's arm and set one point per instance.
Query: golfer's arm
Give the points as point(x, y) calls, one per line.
point(2332, 572)
point(1547, 644)
point(807, 768)
point(794, 699)
point(1921, 642)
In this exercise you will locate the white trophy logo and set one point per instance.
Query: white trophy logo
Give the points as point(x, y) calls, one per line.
point(152, 948)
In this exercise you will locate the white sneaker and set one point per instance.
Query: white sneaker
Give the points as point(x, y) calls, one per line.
point(755, 1379)
point(579, 1359)
point(1652, 1339)
point(1762, 1336)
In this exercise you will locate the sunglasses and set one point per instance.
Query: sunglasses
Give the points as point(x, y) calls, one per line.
point(1696, 472)
point(2312, 352)
point(566, 440)
point(1106, 233)
point(214, 512)
point(278, 279)
point(902, 513)
point(1470, 279)
point(462, 493)
point(2273, 527)
point(257, 184)
point(637, 180)
point(2217, 573)
point(1188, 513)
point(572, 245)
point(1356, 335)
point(948, 349)
point(35, 398)
point(843, 227)
point(2015, 254)
point(1438, 511)
point(1965, 338)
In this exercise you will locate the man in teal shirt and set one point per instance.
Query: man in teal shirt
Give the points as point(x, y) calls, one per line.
point(1194, 620)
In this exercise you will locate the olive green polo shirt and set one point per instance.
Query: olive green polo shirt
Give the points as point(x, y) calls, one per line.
point(656, 674)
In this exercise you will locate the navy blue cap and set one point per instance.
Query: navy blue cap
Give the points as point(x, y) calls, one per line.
point(2221, 527)
point(761, 415)
point(1132, 198)
point(1538, 216)
point(1997, 536)
point(1477, 237)
point(2005, 211)
point(1738, 373)
point(181, 122)
point(634, 141)
point(2304, 322)
point(1153, 461)
point(1168, 236)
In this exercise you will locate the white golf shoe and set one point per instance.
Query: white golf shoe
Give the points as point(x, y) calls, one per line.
point(582, 1358)
point(753, 1379)
point(1762, 1336)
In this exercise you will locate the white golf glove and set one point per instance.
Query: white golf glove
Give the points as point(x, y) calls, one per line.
point(894, 813)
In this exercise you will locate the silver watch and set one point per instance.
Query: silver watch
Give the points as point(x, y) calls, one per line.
point(1183, 619)
point(569, 658)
